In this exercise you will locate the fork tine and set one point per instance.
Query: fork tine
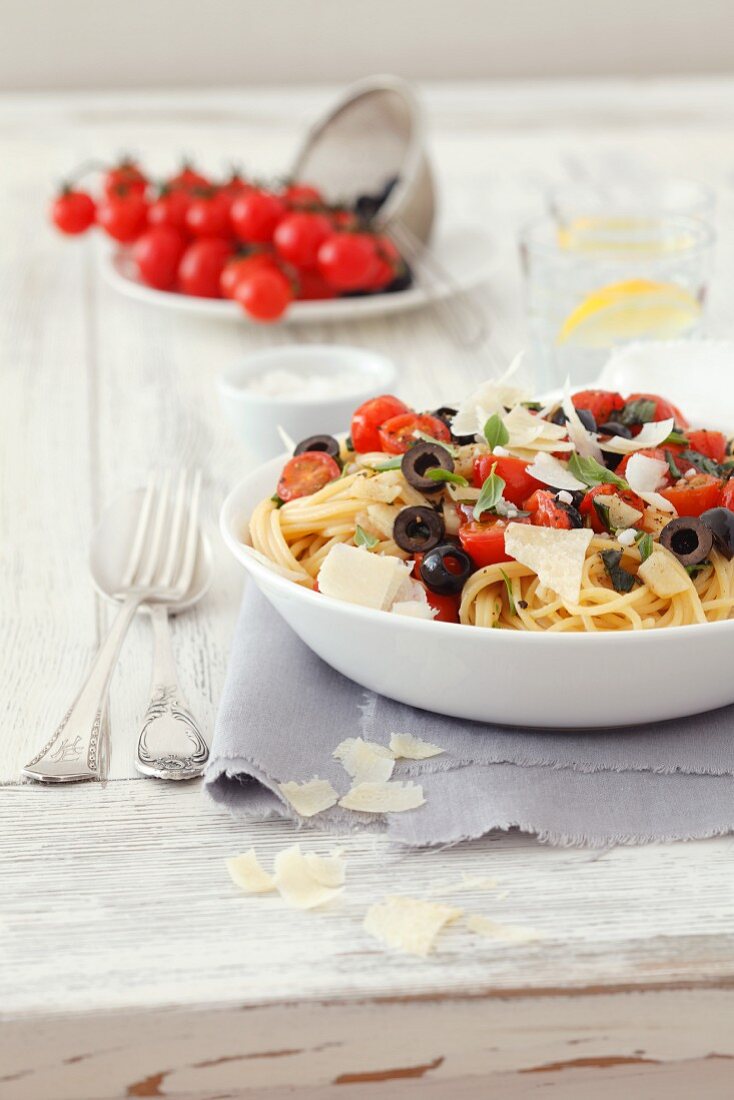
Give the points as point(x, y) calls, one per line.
point(147, 568)
point(141, 531)
point(191, 543)
point(165, 575)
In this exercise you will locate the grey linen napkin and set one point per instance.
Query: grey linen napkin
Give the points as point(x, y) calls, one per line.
point(283, 712)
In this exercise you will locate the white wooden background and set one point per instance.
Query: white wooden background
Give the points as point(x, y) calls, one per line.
point(128, 964)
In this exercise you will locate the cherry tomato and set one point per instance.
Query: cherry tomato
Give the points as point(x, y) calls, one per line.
point(389, 262)
point(664, 410)
point(692, 496)
point(73, 211)
point(264, 293)
point(708, 443)
point(239, 266)
point(158, 253)
point(125, 176)
point(586, 508)
point(348, 260)
point(170, 209)
point(255, 215)
point(201, 267)
point(344, 219)
point(208, 216)
point(446, 606)
point(519, 485)
point(299, 236)
point(188, 179)
point(302, 194)
point(485, 542)
point(123, 217)
point(398, 434)
point(306, 473)
point(367, 419)
point(546, 511)
point(727, 495)
point(312, 286)
point(602, 404)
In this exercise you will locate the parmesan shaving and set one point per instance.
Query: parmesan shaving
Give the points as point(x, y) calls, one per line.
point(525, 428)
point(585, 442)
point(365, 761)
point(295, 881)
point(493, 396)
point(407, 747)
point(327, 870)
point(550, 471)
point(383, 798)
point(556, 556)
point(309, 798)
point(414, 609)
point(645, 476)
point(509, 933)
point(651, 435)
point(247, 872)
point(410, 925)
point(664, 574)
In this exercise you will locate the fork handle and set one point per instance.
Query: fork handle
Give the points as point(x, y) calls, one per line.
point(75, 750)
point(170, 744)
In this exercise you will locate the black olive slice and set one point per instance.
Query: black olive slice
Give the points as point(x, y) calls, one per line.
point(720, 522)
point(688, 538)
point(425, 456)
point(586, 417)
point(446, 569)
point(418, 529)
point(446, 414)
point(325, 443)
point(613, 427)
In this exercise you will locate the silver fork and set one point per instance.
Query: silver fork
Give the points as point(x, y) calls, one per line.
point(160, 568)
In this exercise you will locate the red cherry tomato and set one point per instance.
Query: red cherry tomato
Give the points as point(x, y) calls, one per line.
point(344, 219)
point(201, 267)
point(692, 496)
point(302, 194)
point(664, 410)
point(348, 260)
point(546, 511)
point(239, 266)
point(170, 209)
point(367, 419)
point(519, 484)
point(123, 217)
point(208, 216)
point(124, 177)
point(255, 215)
point(398, 434)
point(602, 404)
point(306, 473)
point(312, 286)
point(485, 542)
point(299, 236)
point(727, 495)
point(389, 262)
point(708, 443)
point(73, 211)
point(158, 253)
point(264, 293)
point(188, 179)
point(587, 509)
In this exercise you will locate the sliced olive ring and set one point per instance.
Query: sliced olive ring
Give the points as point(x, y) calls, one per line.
point(688, 538)
point(586, 417)
point(422, 457)
point(720, 521)
point(418, 529)
point(325, 443)
point(446, 569)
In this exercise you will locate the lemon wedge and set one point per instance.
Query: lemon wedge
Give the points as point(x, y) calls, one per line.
point(633, 309)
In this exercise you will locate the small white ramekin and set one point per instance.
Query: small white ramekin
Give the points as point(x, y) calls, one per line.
point(255, 417)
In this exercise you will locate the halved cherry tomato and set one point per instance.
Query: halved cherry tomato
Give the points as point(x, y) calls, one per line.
point(664, 410)
point(446, 606)
point(306, 473)
point(398, 434)
point(485, 542)
point(602, 404)
point(519, 484)
point(368, 418)
point(546, 511)
point(586, 508)
point(727, 495)
point(708, 443)
point(692, 496)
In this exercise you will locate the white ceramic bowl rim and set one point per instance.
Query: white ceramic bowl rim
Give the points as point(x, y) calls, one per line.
point(376, 371)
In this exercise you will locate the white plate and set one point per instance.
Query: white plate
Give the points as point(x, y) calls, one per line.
point(466, 253)
point(511, 677)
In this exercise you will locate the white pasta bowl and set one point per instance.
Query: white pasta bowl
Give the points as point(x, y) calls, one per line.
point(514, 678)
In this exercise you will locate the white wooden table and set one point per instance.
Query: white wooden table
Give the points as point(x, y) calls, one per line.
point(129, 966)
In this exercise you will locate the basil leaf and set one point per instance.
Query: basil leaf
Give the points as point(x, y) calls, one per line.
point(593, 473)
point(495, 432)
point(391, 464)
point(602, 511)
point(492, 491)
point(677, 437)
point(532, 406)
point(362, 538)
point(703, 463)
point(453, 451)
point(622, 581)
point(694, 570)
point(277, 501)
point(510, 597)
point(674, 471)
point(641, 411)
point(644, 544)
point(437, 473)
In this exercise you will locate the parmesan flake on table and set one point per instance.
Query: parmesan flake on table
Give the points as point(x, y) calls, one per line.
point(407, 747)
point(327, 870)
point(383, 798)
point(551, 471)
point(410, 925)
point(365, 761)
point(296, 882)
point(650, 435)
point(556, 556)
point(492, 930)
point(247, 872)
point(311, 797)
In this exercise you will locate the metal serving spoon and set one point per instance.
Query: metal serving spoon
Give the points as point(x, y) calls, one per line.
point(170, 743)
